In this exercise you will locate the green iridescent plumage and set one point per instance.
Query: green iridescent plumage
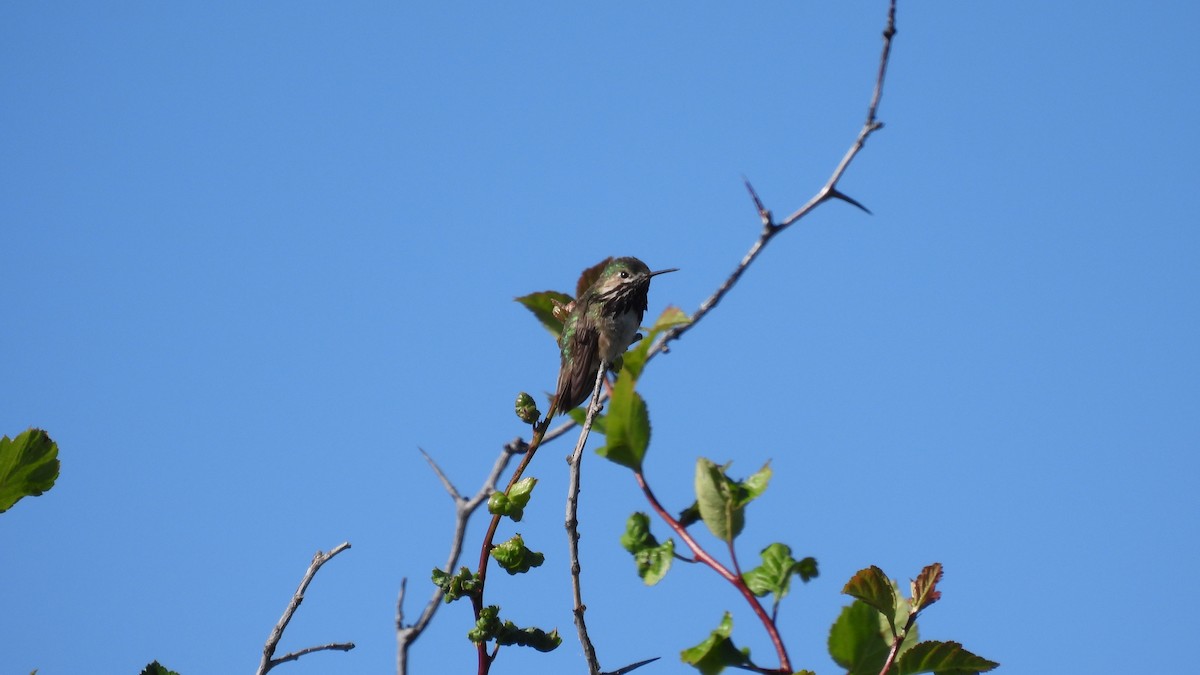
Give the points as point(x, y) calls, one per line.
point(600, 325)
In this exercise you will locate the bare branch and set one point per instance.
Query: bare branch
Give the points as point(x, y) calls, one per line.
point(827, 192)
point(542, 433)
point(463, 510)
point(572, 524)
point(268, 661)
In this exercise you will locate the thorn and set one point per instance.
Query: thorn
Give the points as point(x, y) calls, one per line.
point(633, 666)
point(834, 194)
point(763, 213)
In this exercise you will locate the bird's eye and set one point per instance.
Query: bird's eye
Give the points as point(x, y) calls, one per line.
point(624, 274)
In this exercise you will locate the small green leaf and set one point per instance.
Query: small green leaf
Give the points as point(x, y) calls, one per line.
point(28, 466)
point(542, 305)
point(873, 587)
point(774, 575)
point(635, 358)
point(859, 639)
point(717, 652)
point(489, 627)
point(599, 422)
point(512, 503)
point(486, 626)
point(155, 668)
point(627, 433)
point(942, 657)
point(653, 559)
point(924, 587)
point(716, 502)
point(689, 515)
point(514, 557)
point(756, 484)
point(455, 586)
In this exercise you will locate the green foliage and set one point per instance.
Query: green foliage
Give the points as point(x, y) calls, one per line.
point(512, 502)
point(542, 305)
point(948, 658)
point(155, 668)
point(635, 358)
point(515, 558)
point(627, 432)
point(859, 640)
point(489, 627)
point(455, 586)
point(653, 559)
point(722, 500)
point(873, 587)
point(599, 422)
point(774, 575)
point(28, 466)
point(717, 652)
point(866, 630)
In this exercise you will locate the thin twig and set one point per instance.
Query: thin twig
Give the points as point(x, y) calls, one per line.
point(572, 524)
point(827, 192)
point(268, 661)
point(897, 641)
point(463, 509)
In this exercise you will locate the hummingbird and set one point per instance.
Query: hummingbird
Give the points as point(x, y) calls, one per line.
point(599, 326)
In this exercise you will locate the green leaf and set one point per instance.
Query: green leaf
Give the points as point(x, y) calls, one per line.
point(924, 587)
point(756, 484)
point(722, 500)
point(628, 426)
point(859, 639)
point(512, 503)
point(489, 627)
point(941, 657)
point(689, 515)
point(716, 501)
point(486, 626)
point(155, 668)
point(635, 358)
point(542, 305)
point(873, 587)
point(653, 559)
point(774, 575)
point(515, 558)
point(717, 652)
point(28, 466)
point(455, 586)
point(599, 422)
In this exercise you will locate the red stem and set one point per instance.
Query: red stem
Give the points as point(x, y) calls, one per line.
point(785, 665)
point(485, 659)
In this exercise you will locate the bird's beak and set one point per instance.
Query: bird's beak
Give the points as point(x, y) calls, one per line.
point(673, 269)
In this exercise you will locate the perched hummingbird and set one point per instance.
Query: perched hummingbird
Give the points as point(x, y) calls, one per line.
point(599, 326)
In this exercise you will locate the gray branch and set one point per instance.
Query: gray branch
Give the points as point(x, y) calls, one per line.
point(268, 658)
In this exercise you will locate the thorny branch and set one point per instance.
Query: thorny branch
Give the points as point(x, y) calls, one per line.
point(268, 658)
point(770, 228)
point(463, 509)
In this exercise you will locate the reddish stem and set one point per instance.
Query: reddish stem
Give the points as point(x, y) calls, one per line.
point(785, 665)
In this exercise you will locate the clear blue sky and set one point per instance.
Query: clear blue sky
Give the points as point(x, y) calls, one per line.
point(256, 254)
